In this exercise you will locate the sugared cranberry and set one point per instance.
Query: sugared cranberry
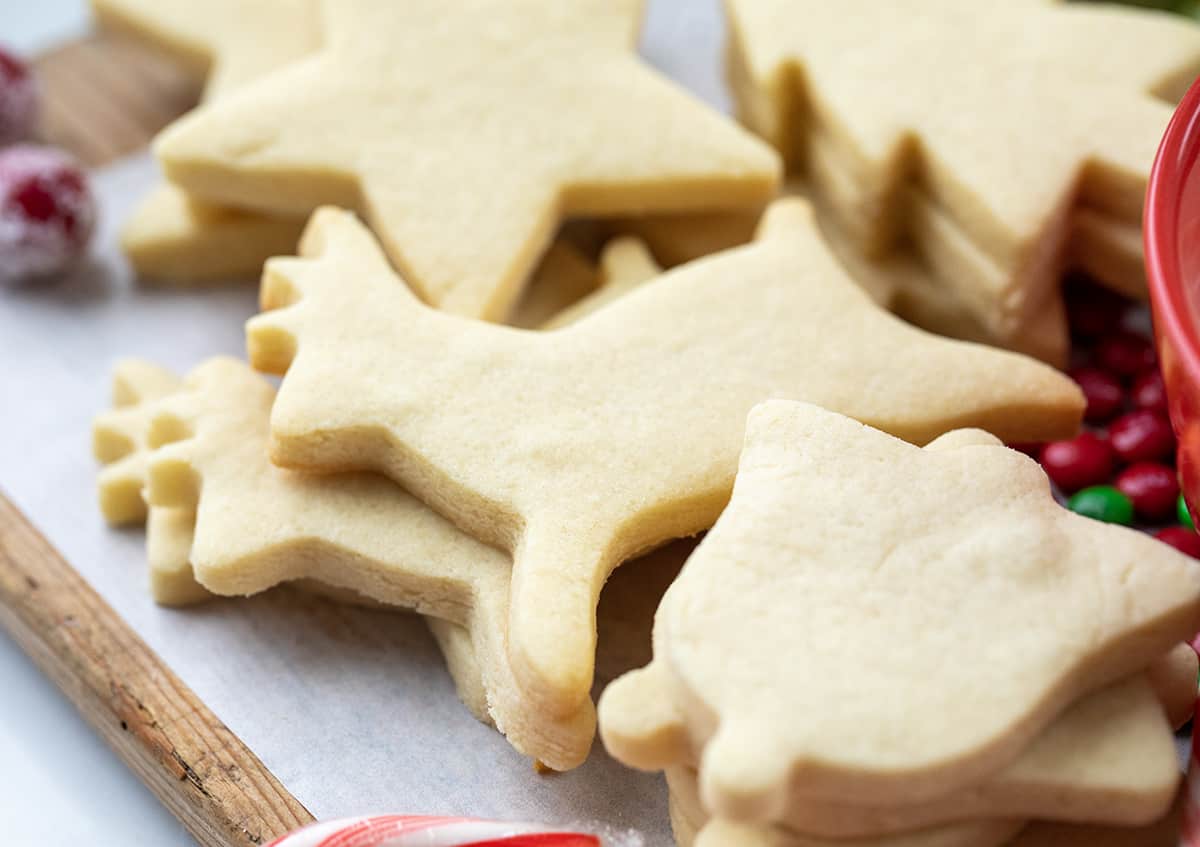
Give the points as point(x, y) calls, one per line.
point(1103, 392)
point(18, 99)
point(1152, 487)
point(1142, 436)
point(1182, 539)
point(1092, 311)
point(46, 212)
point(1125, 353)
point(1084, 460)
point(1149, 391)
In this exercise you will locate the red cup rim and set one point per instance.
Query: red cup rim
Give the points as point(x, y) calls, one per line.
point(1177, 155)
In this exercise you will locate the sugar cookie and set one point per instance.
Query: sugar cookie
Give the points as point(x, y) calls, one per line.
point(625, 264)
point(582, 447)
point(119, 443)
point(172, 238)
point(1043, 109)
point(226, 42)
point(175, 239)
point(566, 121)
point(119, 439)
point(687, 809)
point(257, 526)
point(971, 607)
point(564, 277)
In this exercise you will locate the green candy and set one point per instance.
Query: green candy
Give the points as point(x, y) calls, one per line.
point(1182, 514)
point(1103, 503)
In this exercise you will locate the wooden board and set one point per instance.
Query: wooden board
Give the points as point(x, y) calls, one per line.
point(103, 98)
point(199, 769)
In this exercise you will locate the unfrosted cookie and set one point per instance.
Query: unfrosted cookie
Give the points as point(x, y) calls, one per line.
point(119, 438)
point(936, 614)
point(691, 822)
point(225, 42)
point(119, 443)
point(463, 132)
point(257, 526)
point(899, 281)
point(173, 238)
point(565, 276)
point(625, 265)
point(582, 447)
point(1008, 118)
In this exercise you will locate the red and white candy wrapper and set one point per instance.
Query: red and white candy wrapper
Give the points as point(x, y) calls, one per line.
point(424, 831)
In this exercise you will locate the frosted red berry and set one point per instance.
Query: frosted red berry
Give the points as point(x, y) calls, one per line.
point(1182, 539)
point(1125, 353)
point(1084, 460)
point(1149, 391)
point(1104, 393)
point(46, 212)
point(1142, 436)
point(18, 99)
point(1153, 488)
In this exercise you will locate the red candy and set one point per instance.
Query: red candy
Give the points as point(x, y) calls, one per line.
point(46, 212)
point(1084, 460)
point(1142, 436)
point(1153, 489)
point(1125, 353)
point(1182, 539)
point(1104, 393)
point(18, 99)
point(1149, 391)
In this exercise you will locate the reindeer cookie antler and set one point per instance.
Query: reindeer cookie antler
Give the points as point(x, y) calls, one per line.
point(579, 448)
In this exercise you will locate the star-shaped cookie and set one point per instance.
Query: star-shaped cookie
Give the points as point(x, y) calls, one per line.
point(873, 619)
point(463, 131)
point(173, 238)
point(579, 448)
point(1005, 117)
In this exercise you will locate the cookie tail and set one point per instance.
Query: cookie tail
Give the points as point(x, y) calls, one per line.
point(558, 572)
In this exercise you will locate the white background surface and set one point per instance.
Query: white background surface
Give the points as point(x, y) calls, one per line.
point(58, 783)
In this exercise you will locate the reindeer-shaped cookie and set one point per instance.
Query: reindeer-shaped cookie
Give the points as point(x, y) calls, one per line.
point(579, 448)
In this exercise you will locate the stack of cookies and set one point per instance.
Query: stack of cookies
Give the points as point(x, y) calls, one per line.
point(996, 143)
point(879, 644)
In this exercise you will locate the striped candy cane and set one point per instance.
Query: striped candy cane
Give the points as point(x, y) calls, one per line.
point(426, 831)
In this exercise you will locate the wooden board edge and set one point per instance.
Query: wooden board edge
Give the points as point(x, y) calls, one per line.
point(193, 763)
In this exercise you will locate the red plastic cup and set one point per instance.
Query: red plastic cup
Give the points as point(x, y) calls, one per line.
point(1172, 239)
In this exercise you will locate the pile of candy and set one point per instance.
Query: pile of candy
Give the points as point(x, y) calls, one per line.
point(46, 207)
point(1121, 469)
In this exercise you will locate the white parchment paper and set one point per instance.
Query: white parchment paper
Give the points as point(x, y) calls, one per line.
point(351, 709)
